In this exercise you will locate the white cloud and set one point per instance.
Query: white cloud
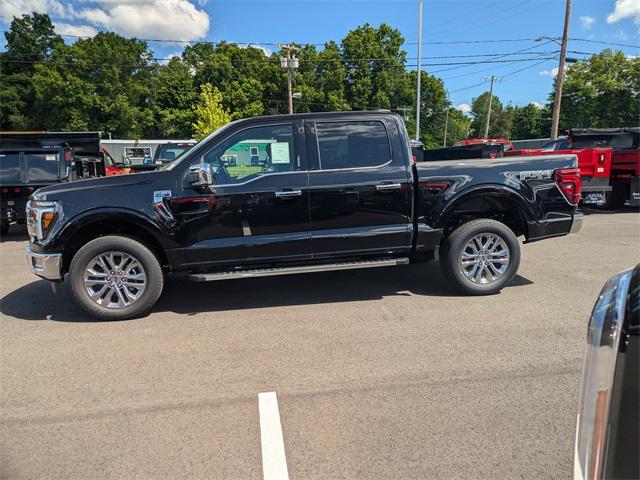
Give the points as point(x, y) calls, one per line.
point(464, 108)
point(586, 21)
point(625, 9)
point(537, 104)
point(161, 19)
point(75, 30)
point(550, 73)
point(17, 8)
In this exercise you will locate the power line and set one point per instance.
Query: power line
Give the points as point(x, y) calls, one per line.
point(524, 51)
point(480, 21)
point(604, 43)
point(275, 44)
point(398, 65)
point(327, 60)
point(426, 42)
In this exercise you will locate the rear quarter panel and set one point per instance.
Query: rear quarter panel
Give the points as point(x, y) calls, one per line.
point(526, 181)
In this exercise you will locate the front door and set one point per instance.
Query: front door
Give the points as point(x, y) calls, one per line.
point(359, 188)
point(258, 209)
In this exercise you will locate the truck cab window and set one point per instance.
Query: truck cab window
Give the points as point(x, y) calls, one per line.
point(252, 152)
point(352, 145)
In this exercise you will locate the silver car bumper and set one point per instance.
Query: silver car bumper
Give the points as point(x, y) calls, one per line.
point(576, 225)
point(45, 265)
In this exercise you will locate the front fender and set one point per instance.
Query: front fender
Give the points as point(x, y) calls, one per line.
point(109, 214)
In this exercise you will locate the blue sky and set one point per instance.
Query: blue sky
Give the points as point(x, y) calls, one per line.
point(277, 21)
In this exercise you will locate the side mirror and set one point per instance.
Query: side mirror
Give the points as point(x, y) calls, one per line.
point(200, 175)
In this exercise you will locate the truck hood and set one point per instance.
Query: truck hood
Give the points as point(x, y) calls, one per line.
point(53, 192)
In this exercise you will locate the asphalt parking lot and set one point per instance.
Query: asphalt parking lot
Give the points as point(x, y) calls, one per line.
point(378, 373)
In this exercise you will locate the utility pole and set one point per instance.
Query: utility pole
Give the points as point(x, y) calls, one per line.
point(555, 121)
point(446, 124)
point(492, 78)
point(289, 63)
point(418, 103)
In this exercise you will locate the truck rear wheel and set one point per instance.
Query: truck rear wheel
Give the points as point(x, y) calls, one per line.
point(114, 278)
point(480, 257)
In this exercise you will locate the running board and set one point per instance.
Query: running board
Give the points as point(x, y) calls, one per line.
point(268, 272)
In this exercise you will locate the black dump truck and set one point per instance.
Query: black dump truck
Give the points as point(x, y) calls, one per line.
point(30, 160)
point(294, 194)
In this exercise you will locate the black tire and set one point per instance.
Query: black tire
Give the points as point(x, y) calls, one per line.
point(452, 250)
point(4, 228)
point(129, 246)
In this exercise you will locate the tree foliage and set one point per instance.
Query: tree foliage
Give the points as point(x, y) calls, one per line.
point(209, 112)
point(603, 91)
point(115, 84)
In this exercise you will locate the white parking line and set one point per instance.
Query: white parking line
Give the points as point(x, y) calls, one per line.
point(274, 460)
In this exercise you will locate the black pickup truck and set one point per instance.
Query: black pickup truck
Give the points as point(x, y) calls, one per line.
point(293, 194)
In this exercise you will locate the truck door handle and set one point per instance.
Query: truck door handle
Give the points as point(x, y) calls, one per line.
point(288, 193)
point(385, 187)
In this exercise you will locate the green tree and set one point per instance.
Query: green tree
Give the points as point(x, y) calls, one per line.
point(500, 120)
point(375, 66)
point(209, 112)
point(529, 121)
point(457, 126)
point(102, 83)
point(175, 95)
point(29, 40)
point(601, 92)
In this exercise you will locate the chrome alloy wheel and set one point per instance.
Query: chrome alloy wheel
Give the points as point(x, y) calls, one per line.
point(115, 279)
point(485, 258)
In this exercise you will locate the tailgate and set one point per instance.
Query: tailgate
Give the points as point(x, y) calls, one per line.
point(32, 167)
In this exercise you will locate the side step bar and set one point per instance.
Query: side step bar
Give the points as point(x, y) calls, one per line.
point(268, 272)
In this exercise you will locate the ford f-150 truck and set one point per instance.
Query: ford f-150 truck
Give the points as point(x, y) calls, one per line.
point(292, 194)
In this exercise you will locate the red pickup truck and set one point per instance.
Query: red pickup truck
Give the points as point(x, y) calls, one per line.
point(624, 172)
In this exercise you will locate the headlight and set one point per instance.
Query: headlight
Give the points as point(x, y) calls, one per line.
point(41, 216)
point(603, 339)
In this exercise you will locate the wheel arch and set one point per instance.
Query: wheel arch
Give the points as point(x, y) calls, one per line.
point(497, 202)
point(98, 223)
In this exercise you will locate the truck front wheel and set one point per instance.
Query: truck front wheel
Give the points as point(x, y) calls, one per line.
point(114, 278)
point(480, 257)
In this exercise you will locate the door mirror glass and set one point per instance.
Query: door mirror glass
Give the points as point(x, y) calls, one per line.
point(200, 175)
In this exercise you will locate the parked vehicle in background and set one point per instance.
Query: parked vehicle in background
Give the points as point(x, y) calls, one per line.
point(166, 152)
point(475, 141)
point(608, 426)
point(624, 178)
point(417, 150)
point(313, 192)
point(30, 160)
point(461, 152)
point(112, 167)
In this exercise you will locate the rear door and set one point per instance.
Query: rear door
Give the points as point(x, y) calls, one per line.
point(359, 187)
